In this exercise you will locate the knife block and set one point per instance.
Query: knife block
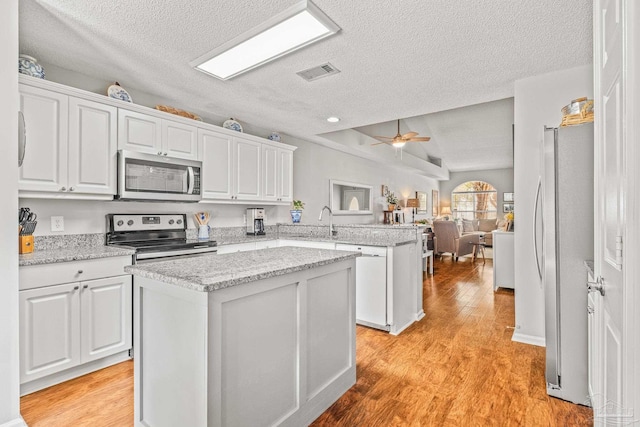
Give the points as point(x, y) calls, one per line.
point(25, 244)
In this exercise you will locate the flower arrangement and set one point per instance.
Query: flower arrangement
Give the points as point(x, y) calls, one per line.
point(298, 205)
point(509, 216)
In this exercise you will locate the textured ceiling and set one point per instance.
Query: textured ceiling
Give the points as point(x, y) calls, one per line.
point(399, 59)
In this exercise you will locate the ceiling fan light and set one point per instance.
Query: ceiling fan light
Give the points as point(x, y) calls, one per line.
point(398, 144)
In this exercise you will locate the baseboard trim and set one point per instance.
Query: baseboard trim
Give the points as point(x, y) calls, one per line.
point(529, 339)
point(420, 316)
point(18, 422)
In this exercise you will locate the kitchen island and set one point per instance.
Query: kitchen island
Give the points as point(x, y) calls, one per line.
point(254, 338)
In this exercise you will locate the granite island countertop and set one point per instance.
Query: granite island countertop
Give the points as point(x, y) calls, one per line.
point(208, 273)
point(51, 256)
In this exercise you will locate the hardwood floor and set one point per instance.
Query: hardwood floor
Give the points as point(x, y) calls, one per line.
point(456, 367)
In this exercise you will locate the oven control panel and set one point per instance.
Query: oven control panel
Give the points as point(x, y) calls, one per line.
point(137, 222)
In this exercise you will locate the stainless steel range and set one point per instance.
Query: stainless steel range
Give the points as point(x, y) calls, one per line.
point(155, 236)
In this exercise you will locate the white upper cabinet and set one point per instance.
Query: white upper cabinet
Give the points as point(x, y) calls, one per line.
point(46, 124)
point(71, 146)
point(216, 154)
point(277, 174)
point(139, 132)
point(285, 175)
point(247, 169)
point(93, 146)
point(73, 138)
point(179, 140)
point(148, 134)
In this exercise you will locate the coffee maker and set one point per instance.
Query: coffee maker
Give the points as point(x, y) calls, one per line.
point(255, 221)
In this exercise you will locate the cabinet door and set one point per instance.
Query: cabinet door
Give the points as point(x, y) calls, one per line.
point(179, 140)
point(106, 317)
point(270, 173)
point(285, 175)
point(139, 132)
point(93, 146)
point(46, 124)
point(247, 169)
point(49, 330)
point(216, 153)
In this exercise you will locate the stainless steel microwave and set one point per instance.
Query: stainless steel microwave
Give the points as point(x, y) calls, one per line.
point(152, 177)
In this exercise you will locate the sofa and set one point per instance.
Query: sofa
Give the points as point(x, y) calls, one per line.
point(479, 226)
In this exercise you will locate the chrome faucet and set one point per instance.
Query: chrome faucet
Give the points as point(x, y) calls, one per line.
point(331, 231)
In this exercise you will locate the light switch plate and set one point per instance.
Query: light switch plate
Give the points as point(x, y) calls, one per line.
point(57, 223)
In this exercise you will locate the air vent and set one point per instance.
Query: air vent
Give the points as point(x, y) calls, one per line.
point(318, 72)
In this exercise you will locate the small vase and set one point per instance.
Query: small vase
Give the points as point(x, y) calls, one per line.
point(392, 207)
point(296, 215)
point(29, 65)
point(232, 124)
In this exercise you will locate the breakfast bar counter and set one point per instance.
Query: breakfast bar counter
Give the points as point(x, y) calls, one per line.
point(254, 338)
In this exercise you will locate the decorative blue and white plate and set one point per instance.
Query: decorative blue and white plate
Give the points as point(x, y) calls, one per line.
point(275, 136)
point(29, 66)
point(116, 91)
point(233, 125)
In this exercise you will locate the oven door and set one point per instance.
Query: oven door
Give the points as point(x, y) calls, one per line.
point(152, 177)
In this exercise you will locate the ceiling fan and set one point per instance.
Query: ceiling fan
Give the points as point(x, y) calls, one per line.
point(399, 140)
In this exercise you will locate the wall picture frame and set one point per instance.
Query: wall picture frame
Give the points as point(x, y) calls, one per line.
point(422, 199)
point(435, 199)
point(507, 207)
point(507, 197)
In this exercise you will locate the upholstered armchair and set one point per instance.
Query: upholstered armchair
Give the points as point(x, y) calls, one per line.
point(447, 239)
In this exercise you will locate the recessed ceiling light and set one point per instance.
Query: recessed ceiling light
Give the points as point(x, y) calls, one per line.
point(292, 29)
point(333, 119)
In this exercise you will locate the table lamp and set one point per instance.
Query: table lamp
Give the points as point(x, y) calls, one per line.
point(413, 204)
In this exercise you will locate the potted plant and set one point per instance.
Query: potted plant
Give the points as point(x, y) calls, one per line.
point(296, 212)
point(392, 200)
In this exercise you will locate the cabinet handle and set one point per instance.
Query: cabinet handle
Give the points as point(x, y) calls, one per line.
point(63, 189)
point(71, 188)
point(85, 286)
point(80, 271)
point(75, 288)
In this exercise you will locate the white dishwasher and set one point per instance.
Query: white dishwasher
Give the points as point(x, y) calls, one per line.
point(371, 285)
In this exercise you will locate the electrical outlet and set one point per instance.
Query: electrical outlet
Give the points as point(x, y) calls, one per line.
point(57, 223)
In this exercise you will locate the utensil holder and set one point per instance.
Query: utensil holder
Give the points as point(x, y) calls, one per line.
point(25, 244)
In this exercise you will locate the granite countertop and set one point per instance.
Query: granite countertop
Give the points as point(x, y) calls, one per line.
point(71, 254)
point(384, 241)
point(212, 272)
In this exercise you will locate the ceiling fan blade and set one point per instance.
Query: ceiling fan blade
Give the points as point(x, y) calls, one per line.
point(409, 135)
point(419, 139)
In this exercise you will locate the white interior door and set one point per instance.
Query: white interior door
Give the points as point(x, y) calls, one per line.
point(611, 402)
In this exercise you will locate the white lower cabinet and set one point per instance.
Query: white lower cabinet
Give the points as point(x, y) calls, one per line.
point(105, 317)
point(49, 330)
point(70, 329)
point(503, 259)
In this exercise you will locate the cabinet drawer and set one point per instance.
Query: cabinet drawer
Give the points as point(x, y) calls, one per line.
point(37, 276)
point(365, 250)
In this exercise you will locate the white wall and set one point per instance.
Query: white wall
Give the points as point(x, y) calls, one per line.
point(538, 101)
point(314, 166)
point(9, 365)
point(501, 179)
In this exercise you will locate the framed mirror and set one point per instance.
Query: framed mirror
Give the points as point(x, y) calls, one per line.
point(422, 199)
point(348, 198)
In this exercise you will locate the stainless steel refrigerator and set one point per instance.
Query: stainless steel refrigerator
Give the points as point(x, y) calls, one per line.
point(563, 229)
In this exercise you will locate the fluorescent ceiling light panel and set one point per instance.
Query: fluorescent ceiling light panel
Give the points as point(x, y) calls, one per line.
point(296, 27)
